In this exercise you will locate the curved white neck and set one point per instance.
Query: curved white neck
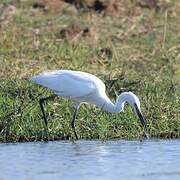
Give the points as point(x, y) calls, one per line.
point(107, 104)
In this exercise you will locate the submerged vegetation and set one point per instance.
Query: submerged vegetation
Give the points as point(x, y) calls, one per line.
point(134, 48)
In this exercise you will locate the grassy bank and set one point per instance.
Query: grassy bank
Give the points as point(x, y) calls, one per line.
point(140, 53)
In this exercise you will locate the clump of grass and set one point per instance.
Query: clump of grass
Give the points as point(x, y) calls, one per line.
point(21, 118)
point(147, 64)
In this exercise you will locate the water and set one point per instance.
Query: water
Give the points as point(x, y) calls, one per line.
point(91, 160)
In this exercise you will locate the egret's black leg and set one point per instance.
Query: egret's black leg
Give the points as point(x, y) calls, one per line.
point(73, 122)
point(41, 102)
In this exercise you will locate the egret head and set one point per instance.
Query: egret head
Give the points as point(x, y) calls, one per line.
point(133, 100)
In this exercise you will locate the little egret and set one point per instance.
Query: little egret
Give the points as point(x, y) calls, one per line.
point(82, 87)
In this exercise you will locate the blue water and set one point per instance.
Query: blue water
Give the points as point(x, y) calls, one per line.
point(91, 160)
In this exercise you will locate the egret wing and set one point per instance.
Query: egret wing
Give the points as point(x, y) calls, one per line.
point(73, 85)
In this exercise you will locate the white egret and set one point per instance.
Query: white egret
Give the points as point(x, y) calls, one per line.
point(82, 87)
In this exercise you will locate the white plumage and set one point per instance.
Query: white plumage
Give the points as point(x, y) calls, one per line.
point(75, 85)
point(82, 87)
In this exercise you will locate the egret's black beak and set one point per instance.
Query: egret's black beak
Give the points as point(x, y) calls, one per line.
point(142, 120)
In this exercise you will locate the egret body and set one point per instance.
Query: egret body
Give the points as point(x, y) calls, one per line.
point(82, 87)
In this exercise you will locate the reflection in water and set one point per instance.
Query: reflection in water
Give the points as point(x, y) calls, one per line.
point(155, 159)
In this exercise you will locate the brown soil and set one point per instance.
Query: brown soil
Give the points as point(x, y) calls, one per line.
point(108, 7)
point(73, 32)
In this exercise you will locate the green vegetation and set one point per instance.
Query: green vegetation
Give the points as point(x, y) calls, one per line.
point(144, 58)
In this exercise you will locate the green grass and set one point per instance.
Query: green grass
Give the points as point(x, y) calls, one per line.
point(147, 64)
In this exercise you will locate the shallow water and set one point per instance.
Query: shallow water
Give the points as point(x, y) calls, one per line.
point(154, 159)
